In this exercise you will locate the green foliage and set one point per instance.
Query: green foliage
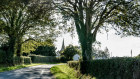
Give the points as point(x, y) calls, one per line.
point(31, 45)
point(27, 60)
point(74, 64)
point(25, 54)
point(3, 53)
point(70, 51)
point(63, 72)
point(18, 60)
point(2, 56)
point(98, 53)
point(115, 68)
point(63, 59)
point(47, 50)
point(138, 56)
point(43, 59)
point(17, 17)
point(55, 70)
point(89, 16)
point(22, 60)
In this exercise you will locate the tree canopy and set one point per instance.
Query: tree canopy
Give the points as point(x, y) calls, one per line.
point(90, 16)
point(17, 17)
point(70, 51)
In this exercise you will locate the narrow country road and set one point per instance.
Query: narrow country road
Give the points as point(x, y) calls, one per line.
point(34, 72)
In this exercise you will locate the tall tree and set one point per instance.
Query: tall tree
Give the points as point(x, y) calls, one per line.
point(90, 16)
point(18, 17)
point(131, 26)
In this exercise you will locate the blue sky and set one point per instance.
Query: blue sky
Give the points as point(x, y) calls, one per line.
point(117, 45)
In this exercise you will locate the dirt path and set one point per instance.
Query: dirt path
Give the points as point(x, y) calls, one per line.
point(34, 72)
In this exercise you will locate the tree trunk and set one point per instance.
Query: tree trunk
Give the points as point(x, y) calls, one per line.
point(87, 51)
point(19, 45)
point(86, 45)
point(11, 50)
point(18, 52)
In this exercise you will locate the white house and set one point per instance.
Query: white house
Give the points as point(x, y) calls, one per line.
point(76, 57)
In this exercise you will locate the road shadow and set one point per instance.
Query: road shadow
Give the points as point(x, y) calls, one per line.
point(28, 73)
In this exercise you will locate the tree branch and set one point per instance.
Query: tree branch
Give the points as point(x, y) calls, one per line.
point(28, 40)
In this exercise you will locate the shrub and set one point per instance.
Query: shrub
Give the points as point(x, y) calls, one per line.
point(44, 59)
point(115, 68)
point(27, 60)
point(63, 59)
point(2, 56)
point(18, 60)
point(47, 50)
point(74, 64)
point(70, 51)
point(22, 60)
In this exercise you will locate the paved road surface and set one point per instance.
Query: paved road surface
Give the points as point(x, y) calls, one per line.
point(34, 72)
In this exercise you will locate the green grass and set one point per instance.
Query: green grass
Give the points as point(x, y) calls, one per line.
point(63, 72)
point(2, 68)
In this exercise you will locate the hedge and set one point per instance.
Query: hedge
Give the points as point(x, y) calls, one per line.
point(27, 60)
point(115, 68)
point(22, 60)
point(2, 56)
point(74, 64)
point(18, 60)
point(44, 59)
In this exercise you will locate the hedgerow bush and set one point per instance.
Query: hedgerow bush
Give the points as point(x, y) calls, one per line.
point(18, 60)
point(74, 64)
point(2, 56)
point(44, 59)
point(63, 59)
point(115, 68)
point(22, 60)
point(27, 60)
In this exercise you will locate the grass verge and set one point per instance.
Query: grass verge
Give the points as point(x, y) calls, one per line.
point(2, 69)
point(63, 72)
